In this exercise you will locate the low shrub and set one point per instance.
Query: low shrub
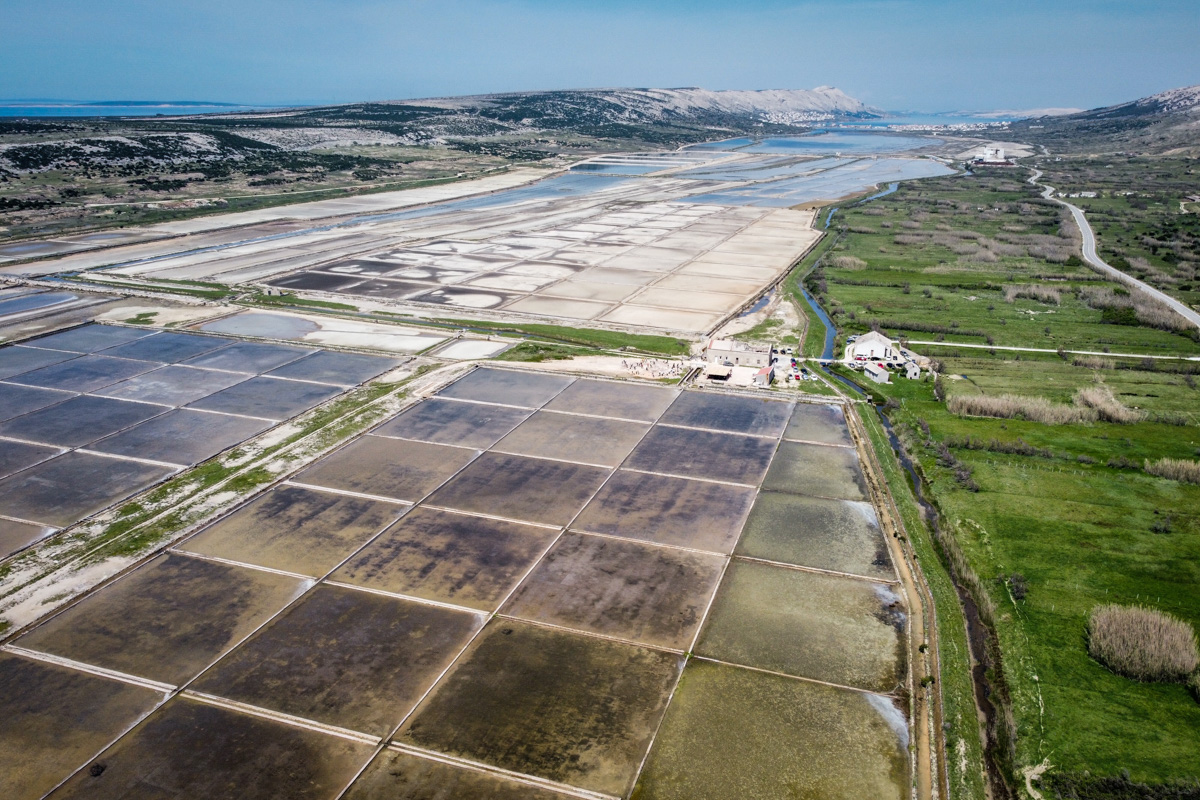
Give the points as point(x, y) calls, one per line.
point(963, 474)
point(847, 262)
point(1091, 404)
point(1142, 643)
point(1017, 448)
point(1093, 362)
point(926, 327)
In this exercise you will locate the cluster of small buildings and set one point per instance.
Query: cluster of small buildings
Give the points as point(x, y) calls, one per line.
point(877, 355)
point(758, 364)
point(751, 363)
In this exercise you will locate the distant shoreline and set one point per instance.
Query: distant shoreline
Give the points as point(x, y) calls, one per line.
point(131, 108)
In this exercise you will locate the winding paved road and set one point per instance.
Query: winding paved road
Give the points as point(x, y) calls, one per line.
point(1089, 255)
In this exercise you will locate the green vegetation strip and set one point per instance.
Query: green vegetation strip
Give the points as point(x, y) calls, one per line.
point(289, 301)
point(964, 751)
point(588, 337)
point(979, 260)
point(534, 352)
point(814, 337)
point(204, 291)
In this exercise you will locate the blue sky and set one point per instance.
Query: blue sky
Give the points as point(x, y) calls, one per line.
point(927, 55)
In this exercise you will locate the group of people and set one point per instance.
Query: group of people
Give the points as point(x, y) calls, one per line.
point(653, 368)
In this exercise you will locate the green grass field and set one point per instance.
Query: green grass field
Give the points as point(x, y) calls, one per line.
point(937, 260)
point(1077, 516)
point(1082, 534)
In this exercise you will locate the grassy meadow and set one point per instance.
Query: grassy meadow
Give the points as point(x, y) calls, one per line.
point(1067, 508)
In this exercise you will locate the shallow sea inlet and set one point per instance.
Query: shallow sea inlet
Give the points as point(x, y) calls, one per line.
point(595, 595)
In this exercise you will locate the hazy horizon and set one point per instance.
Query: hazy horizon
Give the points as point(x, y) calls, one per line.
point(920, 55)
point(177, 103)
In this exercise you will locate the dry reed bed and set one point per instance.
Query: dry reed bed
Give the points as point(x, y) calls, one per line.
point(1093, 362)
point(1051, 295)
point(1100, 399)
point(1092, 404)
point(847, 262)
point(1142, 643)
point(1011, 406)
point(1176, 469)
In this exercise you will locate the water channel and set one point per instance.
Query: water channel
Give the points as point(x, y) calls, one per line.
point(978, 634)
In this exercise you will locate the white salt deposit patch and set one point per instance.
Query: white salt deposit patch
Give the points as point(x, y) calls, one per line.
point(163, 315)
point(554, 307)
point(721, 269)
point(511, 283)
point(667, 319)
point(325, 330)
point(585, 257)
point(467, 299)
point(645, 258)
point(588, 290)
point(691, 301)
point(470, 349)
point(705, 283)
point(539, 269)
point(387, 341)
point(450, 247)
point(865, 511)
point(625, 277)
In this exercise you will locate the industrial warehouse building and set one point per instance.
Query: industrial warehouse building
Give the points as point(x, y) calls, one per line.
point(738, 354)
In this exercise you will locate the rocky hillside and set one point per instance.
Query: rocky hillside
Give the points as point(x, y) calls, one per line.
point(650, 105)
point(64, 173)
point(1163, 123)
point(1173, 101)
point(505, 125)
point(656, 116)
